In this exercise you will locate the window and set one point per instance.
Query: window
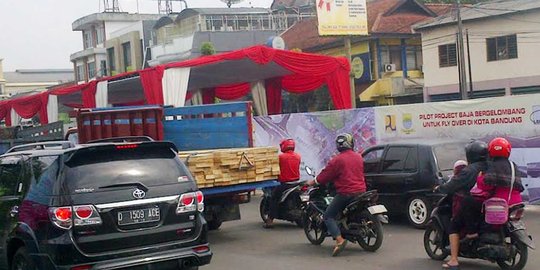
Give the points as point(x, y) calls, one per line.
point(126, 49)
point(112, 59)
point(91, 70)
point(414, 57)
point(80, 73)
point(99, 35)
point(501, 48)
point(391, 55)
point(395, 158)
point(103, 68)
point(372, 160)
point(10, 173)
point(411, 164)
point(447, 154)
point(87, 39)
point(45, 170)
point(447, 55)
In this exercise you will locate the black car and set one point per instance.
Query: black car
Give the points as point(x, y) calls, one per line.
point(100, 206)
point(405, 173)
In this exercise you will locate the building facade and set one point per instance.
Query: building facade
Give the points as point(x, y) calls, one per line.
point(501, 51)
point(179, 37)
point(388, 63)
point(28, 80)
point(113, 42)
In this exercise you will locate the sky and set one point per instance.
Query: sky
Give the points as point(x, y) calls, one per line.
point(36, 34)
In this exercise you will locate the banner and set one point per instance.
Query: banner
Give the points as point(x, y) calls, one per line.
point(342, 17)
point(516, 118)
point(315, 133)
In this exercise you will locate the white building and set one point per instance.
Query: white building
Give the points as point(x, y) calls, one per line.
point(504, 45)
point(124, 36)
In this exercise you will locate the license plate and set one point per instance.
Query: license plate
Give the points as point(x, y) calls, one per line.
point(138, 216)
point(304, 197)
point(377, 209)
point(328, 200)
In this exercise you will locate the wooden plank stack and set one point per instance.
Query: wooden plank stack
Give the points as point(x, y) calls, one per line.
point(223, 167)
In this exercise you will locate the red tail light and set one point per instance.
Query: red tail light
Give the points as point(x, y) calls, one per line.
point(186, 203)
point(82, 267)
point(201, 249)
point(200, 201)
point(126, 146)
point(304, 188)
point(188, 199)
point(63, 217)
point(517, 214)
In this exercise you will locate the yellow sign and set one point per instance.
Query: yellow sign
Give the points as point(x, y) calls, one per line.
point(342, 17)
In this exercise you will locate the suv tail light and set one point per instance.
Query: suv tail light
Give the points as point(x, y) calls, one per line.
point(200, 201)
point(190, 202)
point(80, 215)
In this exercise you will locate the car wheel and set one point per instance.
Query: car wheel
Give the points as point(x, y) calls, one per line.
point(418, 211)
point(21, 260)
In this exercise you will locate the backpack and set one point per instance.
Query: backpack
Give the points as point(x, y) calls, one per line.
point(496, 209)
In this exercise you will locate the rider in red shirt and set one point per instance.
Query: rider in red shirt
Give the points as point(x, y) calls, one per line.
point(289, 171)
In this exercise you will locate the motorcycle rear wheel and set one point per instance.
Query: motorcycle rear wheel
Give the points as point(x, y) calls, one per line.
point(372, 237)
point(433, 242)
point(519, 260)
point(264, 209)
point(314, 229)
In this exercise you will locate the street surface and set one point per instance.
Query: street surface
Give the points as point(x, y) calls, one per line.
point(244, 244)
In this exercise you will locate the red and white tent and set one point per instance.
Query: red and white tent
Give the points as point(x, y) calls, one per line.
point(259, 70)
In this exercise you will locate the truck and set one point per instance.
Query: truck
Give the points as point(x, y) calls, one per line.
point(215, 142)
point(13, 136)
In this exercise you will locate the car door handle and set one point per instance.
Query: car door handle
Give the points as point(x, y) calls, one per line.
point(14, 211)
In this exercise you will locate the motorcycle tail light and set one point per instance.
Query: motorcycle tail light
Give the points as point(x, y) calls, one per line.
point(304, 188)
point(517, 214)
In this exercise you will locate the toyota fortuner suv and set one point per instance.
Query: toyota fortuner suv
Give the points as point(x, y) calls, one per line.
point(100, 206)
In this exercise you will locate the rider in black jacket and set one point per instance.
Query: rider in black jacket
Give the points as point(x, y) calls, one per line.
point(477, 153)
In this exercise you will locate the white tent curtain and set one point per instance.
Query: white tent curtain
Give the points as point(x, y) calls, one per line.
point(175, 83)
point(102, 94)
point(52, 108)
point(15, 118)
point(197, 99)
point(259, 98)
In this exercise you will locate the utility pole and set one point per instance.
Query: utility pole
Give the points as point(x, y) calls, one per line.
point(471, 89)
point(461, 55)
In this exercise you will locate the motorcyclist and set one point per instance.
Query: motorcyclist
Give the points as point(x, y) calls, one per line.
point(476, 152)
point(346, 171)
point(289, 171)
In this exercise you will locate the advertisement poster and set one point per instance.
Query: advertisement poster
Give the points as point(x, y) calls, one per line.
point(342, 17)
point(315, 133)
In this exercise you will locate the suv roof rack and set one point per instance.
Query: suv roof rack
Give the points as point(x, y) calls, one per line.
point(123, 139)
point(41, 146)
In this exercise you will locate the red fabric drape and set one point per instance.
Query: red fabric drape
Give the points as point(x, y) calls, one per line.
point(151, 83)
point(28, 106)
point(208, 96)
point(310, 70)
point(89, 94)
point(273, 95)
point(5, 112)
point(231, 92)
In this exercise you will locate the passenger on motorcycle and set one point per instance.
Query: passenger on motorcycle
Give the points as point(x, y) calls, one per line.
point(346, 171)
point(289, 171)
point(476, 152)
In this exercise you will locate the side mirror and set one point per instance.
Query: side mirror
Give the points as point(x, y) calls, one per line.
point(309, 171)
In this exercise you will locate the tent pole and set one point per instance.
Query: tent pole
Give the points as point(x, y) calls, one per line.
point(351, 75)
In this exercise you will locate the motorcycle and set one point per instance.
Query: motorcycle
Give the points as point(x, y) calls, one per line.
point(289, 205)
point(507, 244)
point(360, 222)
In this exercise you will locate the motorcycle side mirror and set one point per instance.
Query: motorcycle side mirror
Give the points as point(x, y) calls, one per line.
point(309, 171)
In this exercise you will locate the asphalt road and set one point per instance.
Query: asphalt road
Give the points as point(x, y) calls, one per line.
point(244, 244)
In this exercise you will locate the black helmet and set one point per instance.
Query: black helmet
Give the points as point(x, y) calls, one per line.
point(476, 151)
point(344, 142)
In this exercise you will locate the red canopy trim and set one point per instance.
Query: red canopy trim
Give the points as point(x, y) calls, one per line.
point(5, 112)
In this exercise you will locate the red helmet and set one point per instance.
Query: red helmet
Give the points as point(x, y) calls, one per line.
point(286, 145)
point(499, 147)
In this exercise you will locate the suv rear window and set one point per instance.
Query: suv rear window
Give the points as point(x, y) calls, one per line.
point(150, 166)
point(448, 154)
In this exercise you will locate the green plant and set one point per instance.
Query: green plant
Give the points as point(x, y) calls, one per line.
point(207, 48)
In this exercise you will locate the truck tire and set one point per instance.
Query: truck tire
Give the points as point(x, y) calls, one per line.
point(418, 211)
point(214, 224)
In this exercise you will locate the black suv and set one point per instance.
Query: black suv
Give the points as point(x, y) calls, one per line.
point(405, 173)
point(100, 206)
